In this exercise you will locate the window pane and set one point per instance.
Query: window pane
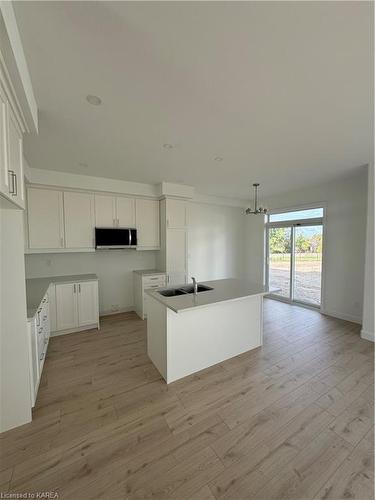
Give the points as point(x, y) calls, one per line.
point(279, 260)
point(298, 214)
point(308, 264)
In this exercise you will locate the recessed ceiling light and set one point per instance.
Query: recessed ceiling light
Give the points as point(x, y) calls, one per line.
point(218, 158)
point(168, 146)
point(94, 100)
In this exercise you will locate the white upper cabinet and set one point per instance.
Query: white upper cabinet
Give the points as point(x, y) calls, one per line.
point(114, 211)
point(125, 212)
point(15, 166)
point(4, 174)
point(11, 155)
point(45, 218)
point(79, 220)
point(176, 256)
point(176, 213)
point(105, 210)
point(147, 223)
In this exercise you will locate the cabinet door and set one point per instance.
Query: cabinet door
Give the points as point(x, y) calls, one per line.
point(105, 210)
point(16, 161)
point(88, 312)
point(52, 307)
point(66, 306)
point(176, 213)
point(79, 220)
point(4, 175)
point(147, 223)
point(125, 210)
point(45, 218)
point(176, 250)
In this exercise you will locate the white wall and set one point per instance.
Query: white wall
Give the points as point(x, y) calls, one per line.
point(344, 244)
point(15, 401)
point(368, 299)
point(113, 267)
point(216, 241)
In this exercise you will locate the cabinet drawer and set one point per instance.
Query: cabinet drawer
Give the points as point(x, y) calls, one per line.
point(149, 281)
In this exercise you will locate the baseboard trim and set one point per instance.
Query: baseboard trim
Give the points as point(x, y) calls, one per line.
point(119, 311)
point(75, 330)
point(365, 334)
point(345, 317)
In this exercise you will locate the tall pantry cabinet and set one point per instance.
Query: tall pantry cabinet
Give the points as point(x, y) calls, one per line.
point(173, 257)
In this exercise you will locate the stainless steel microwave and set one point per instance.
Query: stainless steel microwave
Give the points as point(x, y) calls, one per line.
point(110, 238)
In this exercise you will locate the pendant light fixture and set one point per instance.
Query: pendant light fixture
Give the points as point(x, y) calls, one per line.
point(257, 210)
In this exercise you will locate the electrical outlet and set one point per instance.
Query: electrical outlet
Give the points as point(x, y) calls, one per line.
point(115, 307)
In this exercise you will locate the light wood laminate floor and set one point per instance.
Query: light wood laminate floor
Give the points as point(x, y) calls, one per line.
point(290, 420)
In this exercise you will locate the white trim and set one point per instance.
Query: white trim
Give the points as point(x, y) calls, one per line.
point(365, 334)
point(15, 42)
point(30, 251)
point(344, 316)
point(119, 311)
point(297, 223)
point(57, 333)
point(307, 206)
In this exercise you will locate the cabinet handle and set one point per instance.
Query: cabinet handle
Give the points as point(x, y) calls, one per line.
point(114, 222)
point(79, 287)
point(42, 356)
point(11, 180)
point(74, 287)
point(154, 278)
point(15, 185)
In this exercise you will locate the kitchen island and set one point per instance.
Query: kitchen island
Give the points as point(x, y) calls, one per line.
point(188, 332)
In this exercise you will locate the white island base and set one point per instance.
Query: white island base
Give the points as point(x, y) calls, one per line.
point(182, 343)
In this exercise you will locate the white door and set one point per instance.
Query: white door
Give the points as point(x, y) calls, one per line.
point(87, 303)
point(147, 217)
point(176, 249)
point(125, 210)
point(176, 213)
point(66, 306)
point(16, 161)
point(104, 211)
point(45, 218)
point(79, 220)
point(4, 175)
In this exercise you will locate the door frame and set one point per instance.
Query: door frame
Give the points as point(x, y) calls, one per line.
point(292, 224)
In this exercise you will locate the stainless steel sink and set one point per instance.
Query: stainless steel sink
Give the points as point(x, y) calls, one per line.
point(183, 290)
point(172, 292)
point(190, 288)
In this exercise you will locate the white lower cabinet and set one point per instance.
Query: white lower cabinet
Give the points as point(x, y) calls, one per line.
point(87, 301)
point(143, 282)
point(39, 334)
point(77, 305)
point(66, 306)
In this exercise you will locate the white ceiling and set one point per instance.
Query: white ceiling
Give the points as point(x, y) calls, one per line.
point(281, 90)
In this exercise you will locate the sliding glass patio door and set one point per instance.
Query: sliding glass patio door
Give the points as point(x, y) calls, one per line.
point(294, 256)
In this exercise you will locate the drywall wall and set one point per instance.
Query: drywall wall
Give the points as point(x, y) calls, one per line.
point(15, 401)
point(368, 293)
point(215, 241)
point(113, 267)
point(344, 245)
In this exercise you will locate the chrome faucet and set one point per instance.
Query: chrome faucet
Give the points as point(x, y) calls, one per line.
point(195, 285)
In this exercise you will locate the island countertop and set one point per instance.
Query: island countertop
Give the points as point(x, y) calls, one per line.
point(222, 291)
point(36, 288)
